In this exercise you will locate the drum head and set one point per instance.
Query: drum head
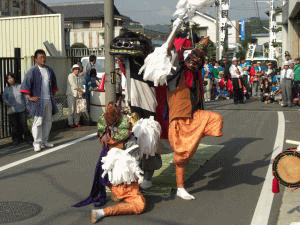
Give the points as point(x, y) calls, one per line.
point(286, 168)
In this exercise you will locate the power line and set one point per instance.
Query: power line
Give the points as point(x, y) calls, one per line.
point(257, 8)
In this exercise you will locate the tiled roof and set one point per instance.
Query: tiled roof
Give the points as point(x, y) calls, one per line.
point(82, 10)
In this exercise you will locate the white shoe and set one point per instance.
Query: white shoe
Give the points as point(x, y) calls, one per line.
point(47, 145)
point(146, 184)
point(96, 215)
point(37, 148)
point(182, 193)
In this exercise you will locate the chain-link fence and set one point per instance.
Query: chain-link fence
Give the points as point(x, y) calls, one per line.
point(62, 105)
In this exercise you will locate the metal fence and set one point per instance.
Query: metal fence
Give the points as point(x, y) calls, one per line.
point(81, 52)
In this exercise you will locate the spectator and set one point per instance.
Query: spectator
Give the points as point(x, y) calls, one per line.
point(207, 76)
point(297, 75)
point(236, 72)
point(286, 79)
point(81, 73)
point(226, 66)
point(40, 86)
point(15, 101)
point(245, 65)
point(270, 73)
point(74, 91)
point(266, 91)
point(287, 57)
point(217, 69)
point(90, 65)
point(91, 83)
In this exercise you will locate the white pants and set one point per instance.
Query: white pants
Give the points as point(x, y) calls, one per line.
point(73, 117)
point(41, 125)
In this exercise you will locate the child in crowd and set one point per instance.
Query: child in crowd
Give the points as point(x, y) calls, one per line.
point(266, 91)
point(15, 102)
point(275, 92)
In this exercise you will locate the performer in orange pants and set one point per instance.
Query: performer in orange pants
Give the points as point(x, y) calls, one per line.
point(134, 202)
point(189, 123)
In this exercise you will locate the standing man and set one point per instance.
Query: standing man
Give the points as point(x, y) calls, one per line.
point(90, 65)
point(245, 65)
point(286, 80)
point(88, 68)
point(235, 72)
point(39, 87)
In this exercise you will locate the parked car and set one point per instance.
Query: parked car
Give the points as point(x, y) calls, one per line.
point(99, 65)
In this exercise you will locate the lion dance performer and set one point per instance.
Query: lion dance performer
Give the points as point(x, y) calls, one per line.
point(189, 123)
point(131, 49)
point(125, 140)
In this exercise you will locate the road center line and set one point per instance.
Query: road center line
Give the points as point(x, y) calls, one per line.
point(264, 204)
point(45, 152)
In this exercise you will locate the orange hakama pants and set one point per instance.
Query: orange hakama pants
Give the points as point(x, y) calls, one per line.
point(185, 135)
point(134, 201)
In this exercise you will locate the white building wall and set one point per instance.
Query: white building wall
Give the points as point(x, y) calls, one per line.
point(90, 37)
point(233, 34)
point(29, 33)
point(206, 22)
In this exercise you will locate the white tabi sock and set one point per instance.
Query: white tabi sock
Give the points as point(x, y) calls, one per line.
point(96, 215)
point(182, 193)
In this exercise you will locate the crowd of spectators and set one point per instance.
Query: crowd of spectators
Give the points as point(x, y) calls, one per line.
point(257, 80)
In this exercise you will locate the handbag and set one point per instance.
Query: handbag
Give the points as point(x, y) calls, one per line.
point(81, 105)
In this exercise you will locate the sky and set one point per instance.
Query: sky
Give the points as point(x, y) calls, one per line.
point(150, 12)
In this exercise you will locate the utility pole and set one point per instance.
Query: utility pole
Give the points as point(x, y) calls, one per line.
point(218, 56)
point(110, 87)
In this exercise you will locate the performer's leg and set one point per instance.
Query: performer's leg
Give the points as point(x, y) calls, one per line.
point(132, 205)
point(149, 165)
point(181, 192)
point(134, 202)
point(147, 183)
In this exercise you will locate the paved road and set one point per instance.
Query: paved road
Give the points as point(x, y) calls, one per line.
point(227, 188)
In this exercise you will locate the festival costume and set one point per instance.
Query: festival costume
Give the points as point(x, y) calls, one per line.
point(118, 165)
point(140, 94)
point(189, 123)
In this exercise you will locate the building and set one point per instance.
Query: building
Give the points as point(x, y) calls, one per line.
point(206, 25)
point(23, 8)
point(291, 27)
point(233, 35)
point(85, 23)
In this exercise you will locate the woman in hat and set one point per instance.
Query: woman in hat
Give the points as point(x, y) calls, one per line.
point(74, 90)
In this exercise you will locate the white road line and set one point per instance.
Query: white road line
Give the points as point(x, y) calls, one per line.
point(264, 204)
point(19, 162)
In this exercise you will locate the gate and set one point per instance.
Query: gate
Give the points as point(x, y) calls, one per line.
point(7, 65)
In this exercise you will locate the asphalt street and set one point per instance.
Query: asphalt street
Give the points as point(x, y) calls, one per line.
point(227, 188)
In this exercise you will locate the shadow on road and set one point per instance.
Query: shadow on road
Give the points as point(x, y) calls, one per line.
point(223, 170)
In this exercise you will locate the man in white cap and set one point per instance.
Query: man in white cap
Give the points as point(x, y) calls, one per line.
point(286, 80)
point(236, 72)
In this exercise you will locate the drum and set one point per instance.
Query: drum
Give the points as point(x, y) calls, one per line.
point(286, 168)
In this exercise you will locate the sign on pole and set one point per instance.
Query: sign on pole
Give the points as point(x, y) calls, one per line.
point(242, 29)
